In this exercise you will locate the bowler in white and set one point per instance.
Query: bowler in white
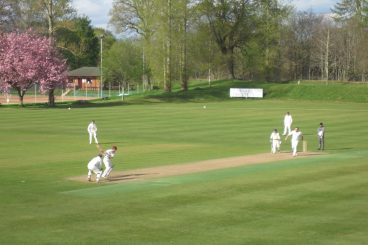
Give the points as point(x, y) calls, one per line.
point(92, 131)
point(296, 136)
point(95, 166)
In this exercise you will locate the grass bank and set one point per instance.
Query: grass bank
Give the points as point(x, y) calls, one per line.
point(200, 91)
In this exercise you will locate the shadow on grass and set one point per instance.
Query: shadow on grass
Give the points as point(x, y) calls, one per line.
point(126, 177)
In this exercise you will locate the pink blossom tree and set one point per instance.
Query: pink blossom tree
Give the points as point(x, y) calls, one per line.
point(52, 74)
point(27, 59)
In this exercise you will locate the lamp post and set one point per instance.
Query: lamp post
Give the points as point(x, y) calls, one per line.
point(101, 86)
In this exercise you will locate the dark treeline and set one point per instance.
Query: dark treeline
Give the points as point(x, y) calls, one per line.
point(166, 41)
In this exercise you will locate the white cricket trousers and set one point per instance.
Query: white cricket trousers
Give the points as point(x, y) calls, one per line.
point(95, 170)
point(93, 134)
point(287, 129)
point(108, 167)
point(275, 146)
point(294, 146)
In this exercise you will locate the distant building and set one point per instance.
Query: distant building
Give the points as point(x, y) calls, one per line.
point(85, 78)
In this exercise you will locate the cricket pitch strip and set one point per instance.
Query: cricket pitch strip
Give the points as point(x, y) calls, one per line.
point(196, 167)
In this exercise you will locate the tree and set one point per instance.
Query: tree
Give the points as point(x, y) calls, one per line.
point(108, 38)
point(136, 15)
point(88, 46)
point(184, 15)
point(302, 29)
point(26, 59)
point(162, 27)
point(8, 14)
point(206, 59)
point(324, 43)
point(78, 42)
point(123, 63)
point(352, 17)
point(52, 74)
point(42, 15)
point(269, 18)
point(231, 26)
point(184, 49)
point(347, 9)
point(141, 17)
point(20, 14)
point(54, 9)
point(167, 31)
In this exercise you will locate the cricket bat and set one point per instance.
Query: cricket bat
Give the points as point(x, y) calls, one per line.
point(100, 149)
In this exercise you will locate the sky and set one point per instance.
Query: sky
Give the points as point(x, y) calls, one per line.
point(98, 10)
point(317, 6)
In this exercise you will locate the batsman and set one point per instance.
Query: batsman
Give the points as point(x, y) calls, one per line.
point(107, 160)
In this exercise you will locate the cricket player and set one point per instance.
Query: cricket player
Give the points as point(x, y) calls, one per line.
point(109, 154)
point(92, 131)
point(296, 136)
point(321, 136)
point(275, 141)
point(288, 120)
point(95, 166)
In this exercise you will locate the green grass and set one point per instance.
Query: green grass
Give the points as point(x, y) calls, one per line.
point(317, 200)
point(279, 203)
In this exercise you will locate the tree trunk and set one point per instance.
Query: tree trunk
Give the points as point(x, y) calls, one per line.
point(169, 49)
point(327, 55)
point(322, 64)
point(21, 96)
point(51, 98)
point(230, 63)
point(184, 76)
point(50, 17)
point(21, 100)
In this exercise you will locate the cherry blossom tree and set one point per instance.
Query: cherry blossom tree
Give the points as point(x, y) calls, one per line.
point(52, 74)
point(27, 59)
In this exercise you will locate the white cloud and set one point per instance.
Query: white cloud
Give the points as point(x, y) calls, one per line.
point(96, 10)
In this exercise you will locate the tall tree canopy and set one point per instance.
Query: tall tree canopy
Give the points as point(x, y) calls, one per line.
point(40, 15)
point(231, 24)
point(123, 63)
point(347, 9)
point(78, 42)
point(8, 14)
point(137, 15)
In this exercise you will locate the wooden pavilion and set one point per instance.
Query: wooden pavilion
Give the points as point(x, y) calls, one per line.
point(85, 78)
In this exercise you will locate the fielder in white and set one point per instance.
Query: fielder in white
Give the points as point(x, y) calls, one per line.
point(296, 136)
point(288, 120)
point(321, 136)
point(109, 154)
point(95, 166)
point(275, 141)
point(92, 131)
